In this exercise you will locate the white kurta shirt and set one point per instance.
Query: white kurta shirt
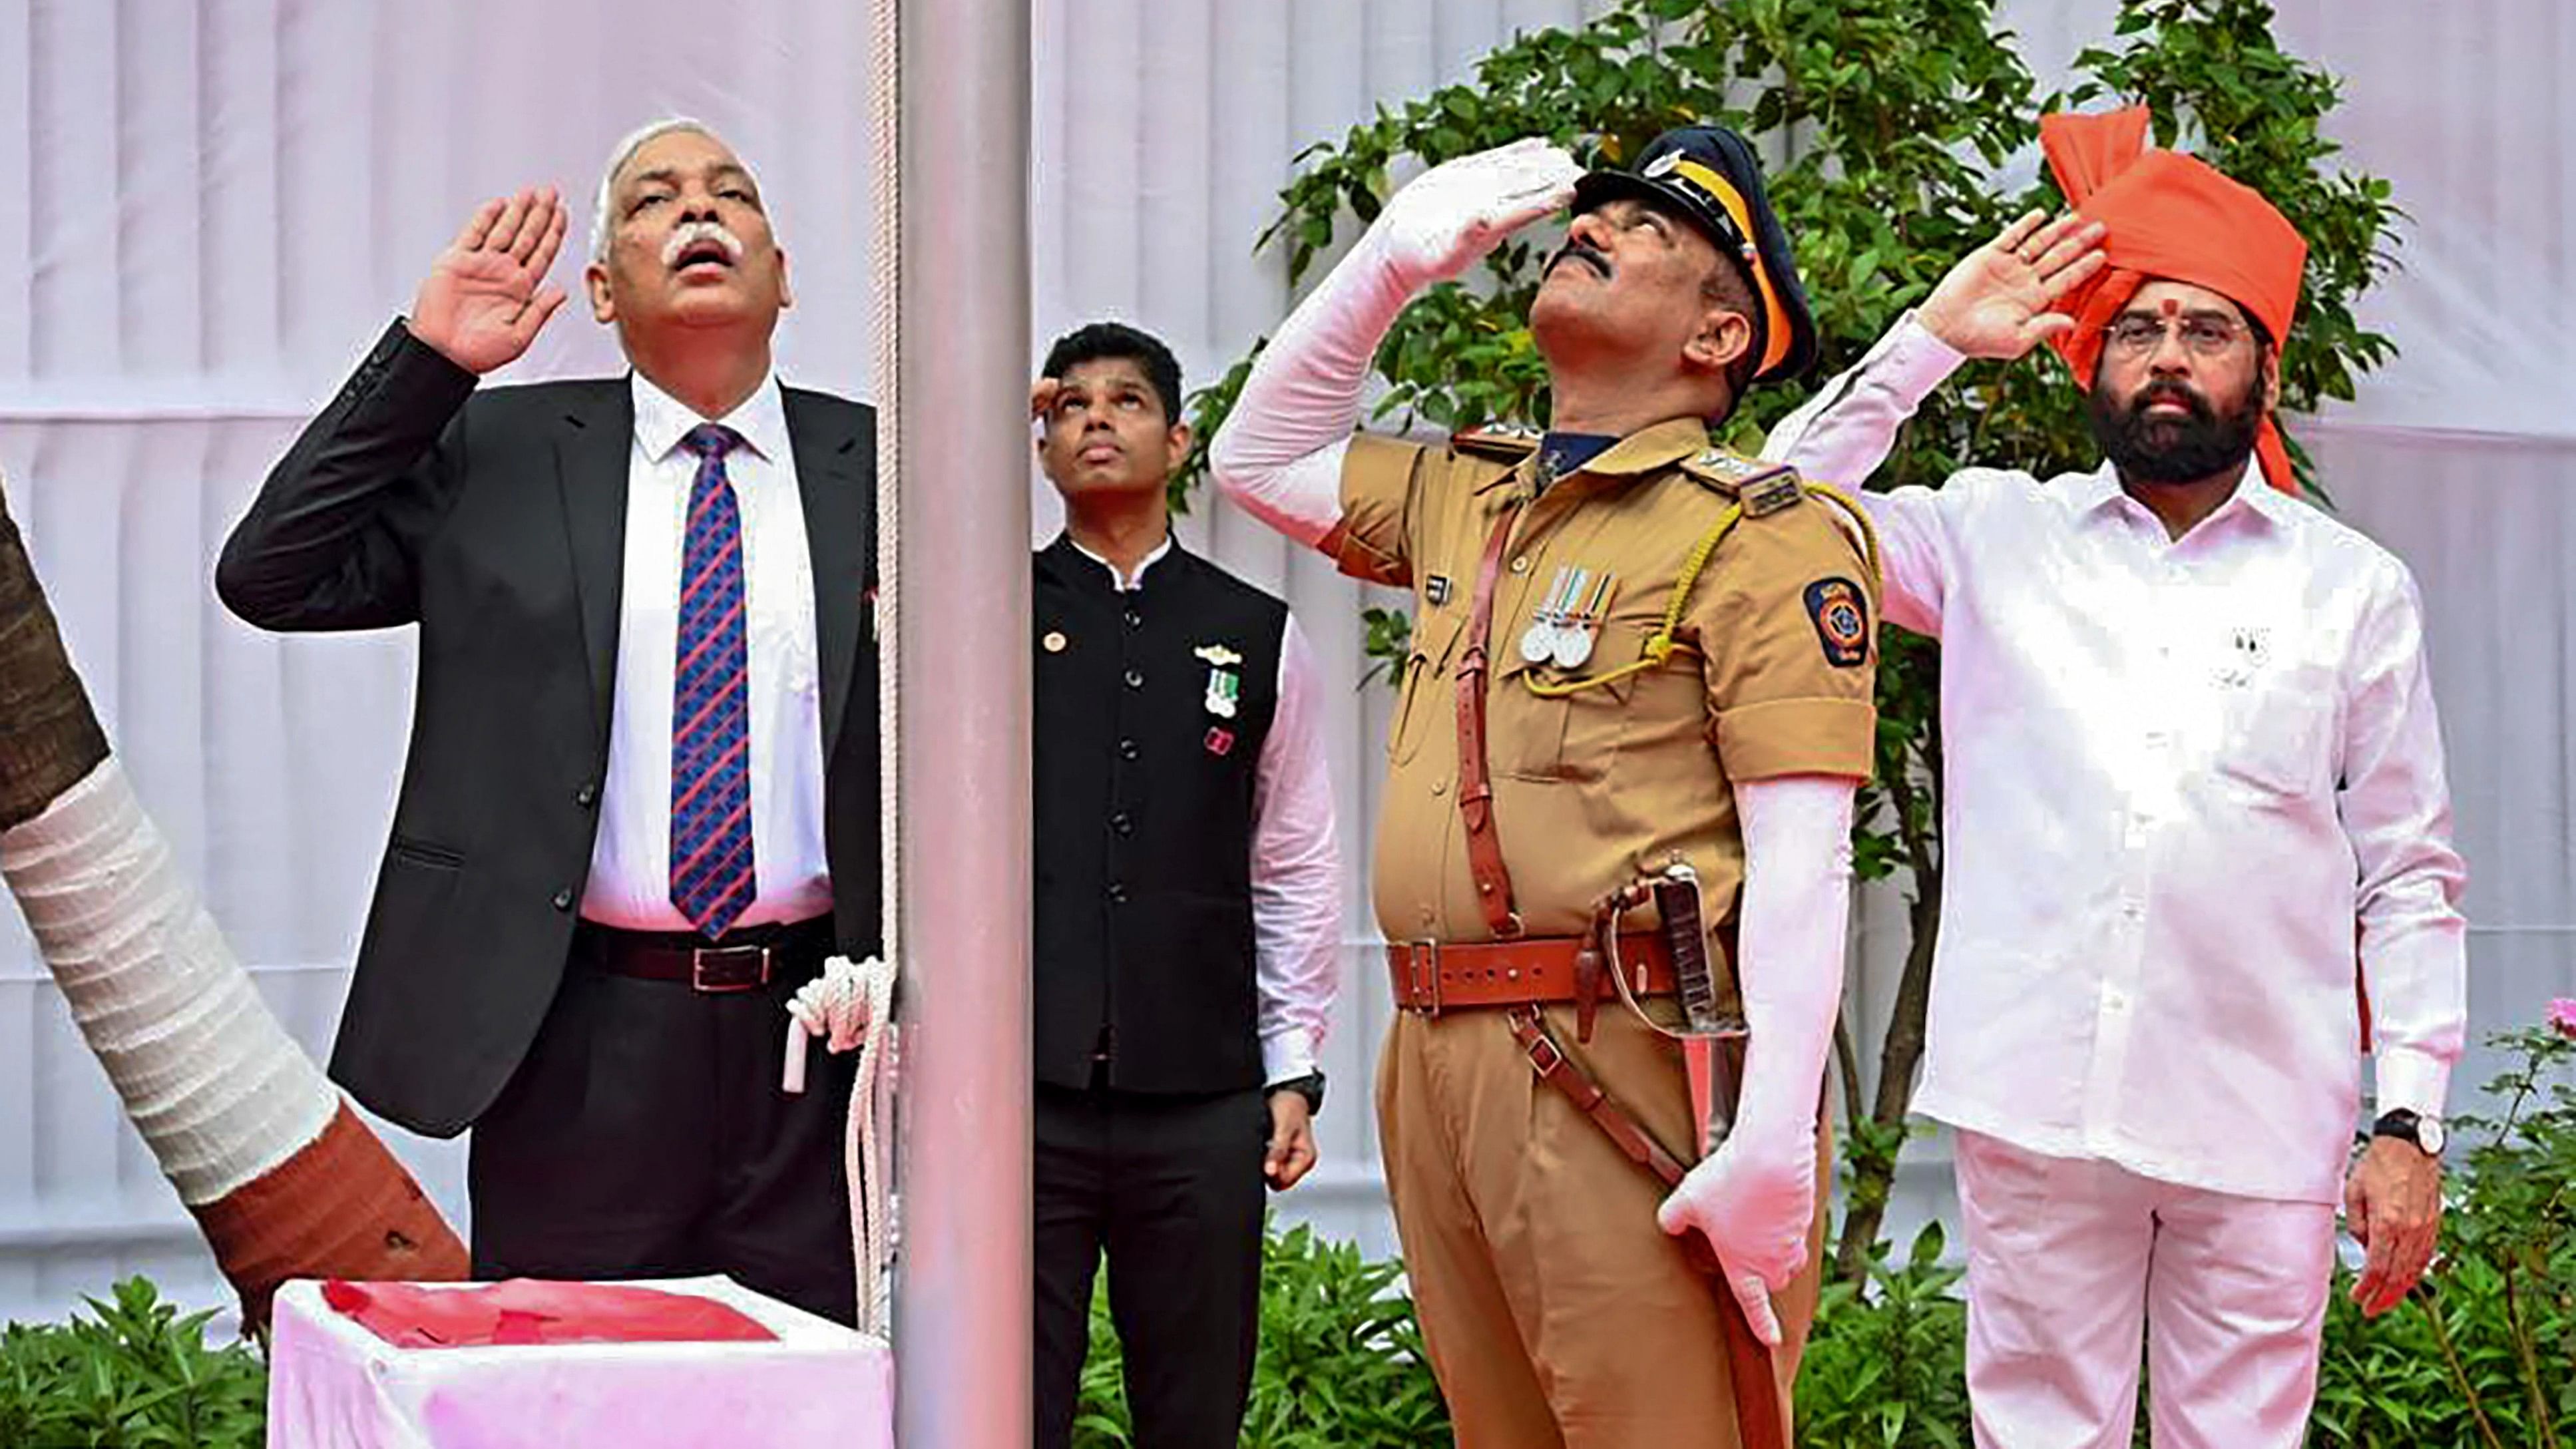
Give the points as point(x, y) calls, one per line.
point(2182, 776)
point(630, 860)
point(1296, 860)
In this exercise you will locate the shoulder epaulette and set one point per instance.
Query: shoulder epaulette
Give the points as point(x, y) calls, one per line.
point(1762, 488)
point(1509, 442)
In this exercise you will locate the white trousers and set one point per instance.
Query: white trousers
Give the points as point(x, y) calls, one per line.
point(2070, 1258)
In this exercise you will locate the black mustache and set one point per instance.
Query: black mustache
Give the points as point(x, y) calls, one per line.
point(1576, 251)
point(2156, 392)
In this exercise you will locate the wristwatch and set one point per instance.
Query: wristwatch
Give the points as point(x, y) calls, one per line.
point(2406, 1126)
point(1309, 1086)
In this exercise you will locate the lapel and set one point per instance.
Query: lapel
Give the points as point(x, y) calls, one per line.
point(591, 452)
point(834, 481)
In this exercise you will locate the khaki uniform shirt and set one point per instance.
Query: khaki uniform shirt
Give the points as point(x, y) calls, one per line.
point(1774, 676)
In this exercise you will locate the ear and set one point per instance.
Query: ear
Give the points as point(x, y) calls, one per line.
point(2271, 379)
point(1723, 335)
point(594, 280)
point(1179, 439)
point(786, 295)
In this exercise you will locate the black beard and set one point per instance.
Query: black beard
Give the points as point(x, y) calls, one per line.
point(2167, 449)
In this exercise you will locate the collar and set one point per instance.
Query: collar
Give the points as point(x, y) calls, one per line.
point(661, 420)
point(1660, 445)
point(2089, 493)
point(1136, 581)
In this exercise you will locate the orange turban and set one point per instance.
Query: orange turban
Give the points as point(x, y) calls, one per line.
point(2170, 217)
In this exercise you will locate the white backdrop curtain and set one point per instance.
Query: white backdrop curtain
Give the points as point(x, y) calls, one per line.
point(215, 204)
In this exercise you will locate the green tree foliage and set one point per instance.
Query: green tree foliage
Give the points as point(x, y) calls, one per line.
point(1888, 122)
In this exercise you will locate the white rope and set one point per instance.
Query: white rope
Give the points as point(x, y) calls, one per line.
point(854, 1004)
point(851, 1005)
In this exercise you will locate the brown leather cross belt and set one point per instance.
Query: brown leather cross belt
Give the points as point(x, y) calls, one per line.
point(1431, 977)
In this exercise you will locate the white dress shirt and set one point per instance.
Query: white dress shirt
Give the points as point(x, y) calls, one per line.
point(630, 860)
point(2182, 776)
point(1296, 862)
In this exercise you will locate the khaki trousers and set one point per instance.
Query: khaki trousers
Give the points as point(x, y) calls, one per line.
point(1557, 1315)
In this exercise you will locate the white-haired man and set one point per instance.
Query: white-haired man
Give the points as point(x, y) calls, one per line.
point(640, 804)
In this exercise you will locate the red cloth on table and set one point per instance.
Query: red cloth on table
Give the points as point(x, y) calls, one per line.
point(532, 1311)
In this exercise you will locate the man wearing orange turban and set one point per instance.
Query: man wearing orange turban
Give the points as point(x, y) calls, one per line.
point(2191, 758)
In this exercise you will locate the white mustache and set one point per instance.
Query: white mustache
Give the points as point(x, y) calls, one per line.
point(689, 233)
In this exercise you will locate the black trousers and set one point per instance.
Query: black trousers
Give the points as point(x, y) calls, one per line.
point(1170, 1188)
point(645, 1136)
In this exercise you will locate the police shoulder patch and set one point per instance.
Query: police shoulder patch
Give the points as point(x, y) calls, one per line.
point(1762, 487)
point(1509, 442)
point(1840, 612)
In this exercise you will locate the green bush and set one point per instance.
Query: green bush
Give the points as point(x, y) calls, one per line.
point(134, 1374)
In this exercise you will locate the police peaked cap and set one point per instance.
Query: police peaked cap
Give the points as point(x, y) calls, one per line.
point(1708, 175)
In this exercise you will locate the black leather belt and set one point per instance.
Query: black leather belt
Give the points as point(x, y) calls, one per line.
point(746, 959)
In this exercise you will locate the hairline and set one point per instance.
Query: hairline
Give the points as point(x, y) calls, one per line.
point(603, 222)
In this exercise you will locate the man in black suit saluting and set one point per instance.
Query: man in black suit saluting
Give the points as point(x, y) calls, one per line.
point(640, 806)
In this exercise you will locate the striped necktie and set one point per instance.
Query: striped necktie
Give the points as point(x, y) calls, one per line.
point(712, 881)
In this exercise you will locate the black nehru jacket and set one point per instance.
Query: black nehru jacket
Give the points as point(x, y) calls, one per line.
point(1144, 939)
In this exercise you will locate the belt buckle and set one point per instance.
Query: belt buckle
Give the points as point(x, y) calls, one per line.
point(1544, 1055)
point(719, 970)
point(1422, 974)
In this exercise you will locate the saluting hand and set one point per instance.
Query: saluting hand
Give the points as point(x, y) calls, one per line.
point(484, 297)
point(1998, 301)
point(1444, 219)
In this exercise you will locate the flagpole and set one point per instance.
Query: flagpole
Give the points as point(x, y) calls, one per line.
point(962, 1332)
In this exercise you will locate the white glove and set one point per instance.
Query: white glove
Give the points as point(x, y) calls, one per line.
point(1279, 454)
point(1755, 1197)
point(1442, 221)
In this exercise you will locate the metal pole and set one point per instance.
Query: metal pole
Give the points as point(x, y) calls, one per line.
point(962, 1331)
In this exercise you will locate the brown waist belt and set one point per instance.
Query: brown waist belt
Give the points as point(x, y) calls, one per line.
point(747, 959)
point(1431, 977)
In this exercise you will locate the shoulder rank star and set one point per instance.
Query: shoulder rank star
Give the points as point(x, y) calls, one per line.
point(1224, 684)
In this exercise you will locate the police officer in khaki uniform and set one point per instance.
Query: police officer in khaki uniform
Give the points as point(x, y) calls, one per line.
point(1632, 651)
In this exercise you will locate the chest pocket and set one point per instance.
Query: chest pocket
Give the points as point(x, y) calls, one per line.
point(2277, 729)
point(1426, 698)
point(1576, 735)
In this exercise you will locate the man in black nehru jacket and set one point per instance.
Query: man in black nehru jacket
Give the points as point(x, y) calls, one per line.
point(1188, 893)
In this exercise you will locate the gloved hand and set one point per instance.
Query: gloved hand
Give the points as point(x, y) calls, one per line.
point(1442, 221)
point(1755, 1196)
point(1279, 454)
point(1755, 1200)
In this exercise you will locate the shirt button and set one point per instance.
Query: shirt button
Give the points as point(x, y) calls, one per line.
point(1134, 619)
point(1123, 823)
point(586, 796)
point(1439, 787)
point(1135, 679)
point(563, 900)
point(1117, 893)
point(1128, 750)
point(1521, 565)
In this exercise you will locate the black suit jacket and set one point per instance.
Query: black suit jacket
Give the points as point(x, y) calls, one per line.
point(496, 521)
